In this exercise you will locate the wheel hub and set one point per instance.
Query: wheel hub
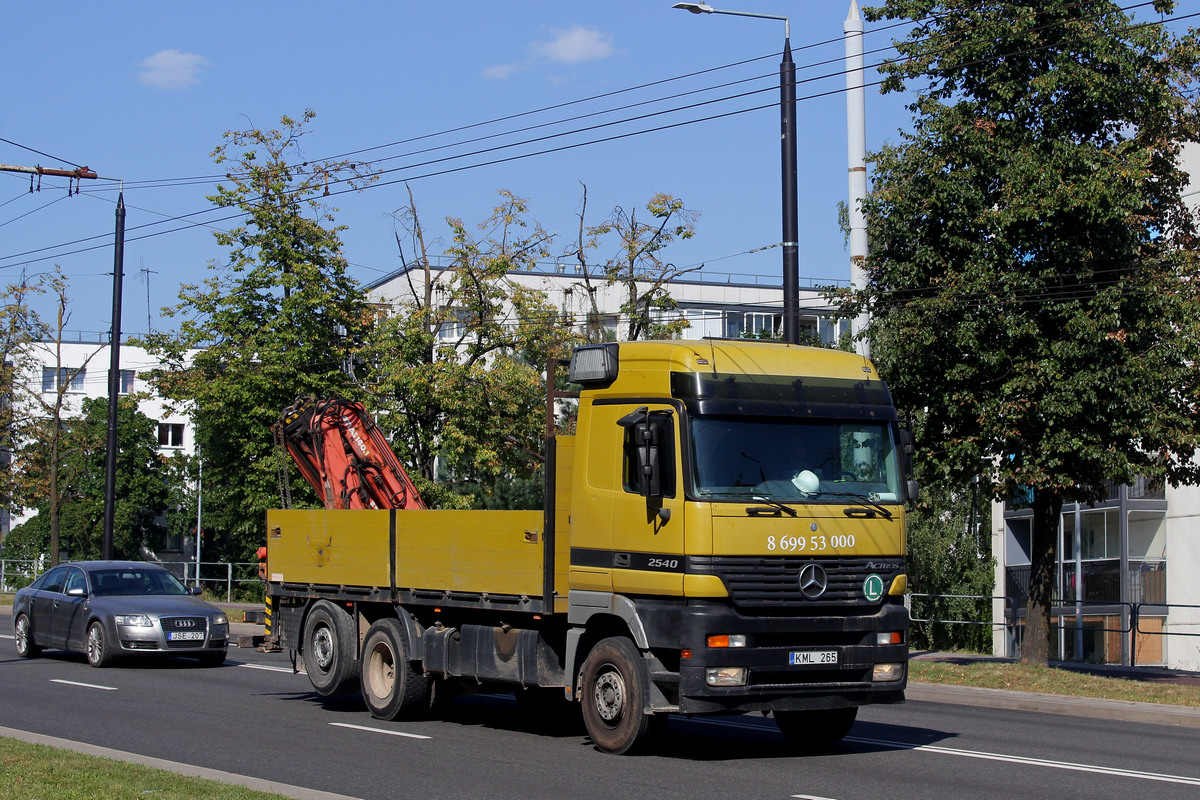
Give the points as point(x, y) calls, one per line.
point(323, 648)
point(610, 695)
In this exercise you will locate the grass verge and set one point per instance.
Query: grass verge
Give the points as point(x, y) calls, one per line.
point(1050, 680)
point(38, 772)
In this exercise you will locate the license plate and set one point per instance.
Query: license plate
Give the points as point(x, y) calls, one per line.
point(805, 657)
point(186, 636)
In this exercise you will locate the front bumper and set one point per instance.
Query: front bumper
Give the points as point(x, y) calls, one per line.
point(772, 683)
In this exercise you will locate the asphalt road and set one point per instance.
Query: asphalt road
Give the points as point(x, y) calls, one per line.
point(254, 717)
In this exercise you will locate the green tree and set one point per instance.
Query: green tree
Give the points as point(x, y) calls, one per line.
point(637, 267)
point(79, 462)
point(1033, 274)
point(457, 363)
point(20, 329)
point(950, 558)
point(279, 319)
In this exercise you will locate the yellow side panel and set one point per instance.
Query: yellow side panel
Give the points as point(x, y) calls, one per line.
point(499, 552)
point(341, 548)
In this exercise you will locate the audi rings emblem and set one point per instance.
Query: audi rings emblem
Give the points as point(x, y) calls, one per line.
point(185, 623)
point(813, 580)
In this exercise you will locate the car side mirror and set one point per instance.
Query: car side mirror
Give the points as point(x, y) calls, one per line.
point(195, 591)
point(76, 591)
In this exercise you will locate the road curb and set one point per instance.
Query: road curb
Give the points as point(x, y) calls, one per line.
point(1095, 708)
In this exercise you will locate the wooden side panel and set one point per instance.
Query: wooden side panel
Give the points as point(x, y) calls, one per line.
point(342, 548)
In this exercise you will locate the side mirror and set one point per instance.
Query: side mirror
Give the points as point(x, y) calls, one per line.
point(76, 591)
point(646, 436)
point(195, 591)
point(912, 491)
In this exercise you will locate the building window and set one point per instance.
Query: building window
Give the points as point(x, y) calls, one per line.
point(170, 434)
point(65, 378)
point(127, 381)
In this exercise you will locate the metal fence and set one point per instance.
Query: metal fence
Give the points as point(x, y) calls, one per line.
point(217, 576)
point(1075, 638)
point(16, 573)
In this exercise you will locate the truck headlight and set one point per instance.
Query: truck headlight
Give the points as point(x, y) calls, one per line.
point(887, 672)
point(725, 676)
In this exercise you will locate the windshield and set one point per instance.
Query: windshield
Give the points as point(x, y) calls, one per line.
point(790, 460)
point(134, 580)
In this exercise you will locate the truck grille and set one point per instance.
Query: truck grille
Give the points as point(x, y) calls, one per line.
point(766, 582)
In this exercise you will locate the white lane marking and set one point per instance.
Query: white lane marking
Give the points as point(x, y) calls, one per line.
point(85, 685)
point(1033, 762)
point(6, 636)
point(378, 730)
point(266, 667)
point(810, 797)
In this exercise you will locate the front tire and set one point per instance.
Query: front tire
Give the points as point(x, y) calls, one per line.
point(816, 730)
point(390, 685)
point(23, 635)
point(329, 650)
point(616, 688)
point(98, 652)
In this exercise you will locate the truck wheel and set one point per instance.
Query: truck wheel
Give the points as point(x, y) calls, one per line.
point(390, 685)
point(329, 650)
point(23, 635)
point(614, 694)
point(816, 730)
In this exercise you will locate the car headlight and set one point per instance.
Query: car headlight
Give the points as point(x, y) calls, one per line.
point(137, 620)
point(220, 619)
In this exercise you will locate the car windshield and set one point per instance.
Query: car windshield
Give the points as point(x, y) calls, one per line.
point(789, 460)
point(134, 580)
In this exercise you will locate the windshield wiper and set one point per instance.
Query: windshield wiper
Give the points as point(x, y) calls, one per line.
point(865, 502)
point(791, 512)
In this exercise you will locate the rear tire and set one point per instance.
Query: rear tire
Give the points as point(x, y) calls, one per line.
point(98, 652)
point(816, 730)
point(23, 635)
point(390, 685)
point(616, 688)
point(329, 646)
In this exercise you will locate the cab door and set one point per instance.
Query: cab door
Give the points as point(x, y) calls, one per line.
point(648, 536)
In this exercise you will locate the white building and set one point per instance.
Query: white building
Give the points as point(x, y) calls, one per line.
point(81, 365)
point(715, 304)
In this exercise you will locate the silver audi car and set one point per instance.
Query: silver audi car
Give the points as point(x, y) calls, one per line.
point(112, 609)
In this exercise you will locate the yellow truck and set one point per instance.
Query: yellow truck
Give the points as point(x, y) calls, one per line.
point(724, 533)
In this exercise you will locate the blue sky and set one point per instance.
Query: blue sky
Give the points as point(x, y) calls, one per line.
point(143, 91)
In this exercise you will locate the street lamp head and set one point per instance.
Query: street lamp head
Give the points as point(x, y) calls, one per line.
point(695, 8)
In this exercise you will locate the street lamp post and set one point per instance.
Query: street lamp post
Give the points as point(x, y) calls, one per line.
point(787, 164)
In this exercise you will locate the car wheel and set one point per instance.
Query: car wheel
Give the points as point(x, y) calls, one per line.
point(329, 646)
point(98, 653)
point(816, 730)
point(390, 685)
point(23, 634)
point(212, 659)
point(614, 695)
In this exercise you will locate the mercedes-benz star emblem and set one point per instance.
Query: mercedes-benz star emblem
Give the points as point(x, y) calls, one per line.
point(813, 580)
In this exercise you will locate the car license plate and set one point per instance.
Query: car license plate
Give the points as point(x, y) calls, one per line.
point(186, 636)
point(804, 657)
